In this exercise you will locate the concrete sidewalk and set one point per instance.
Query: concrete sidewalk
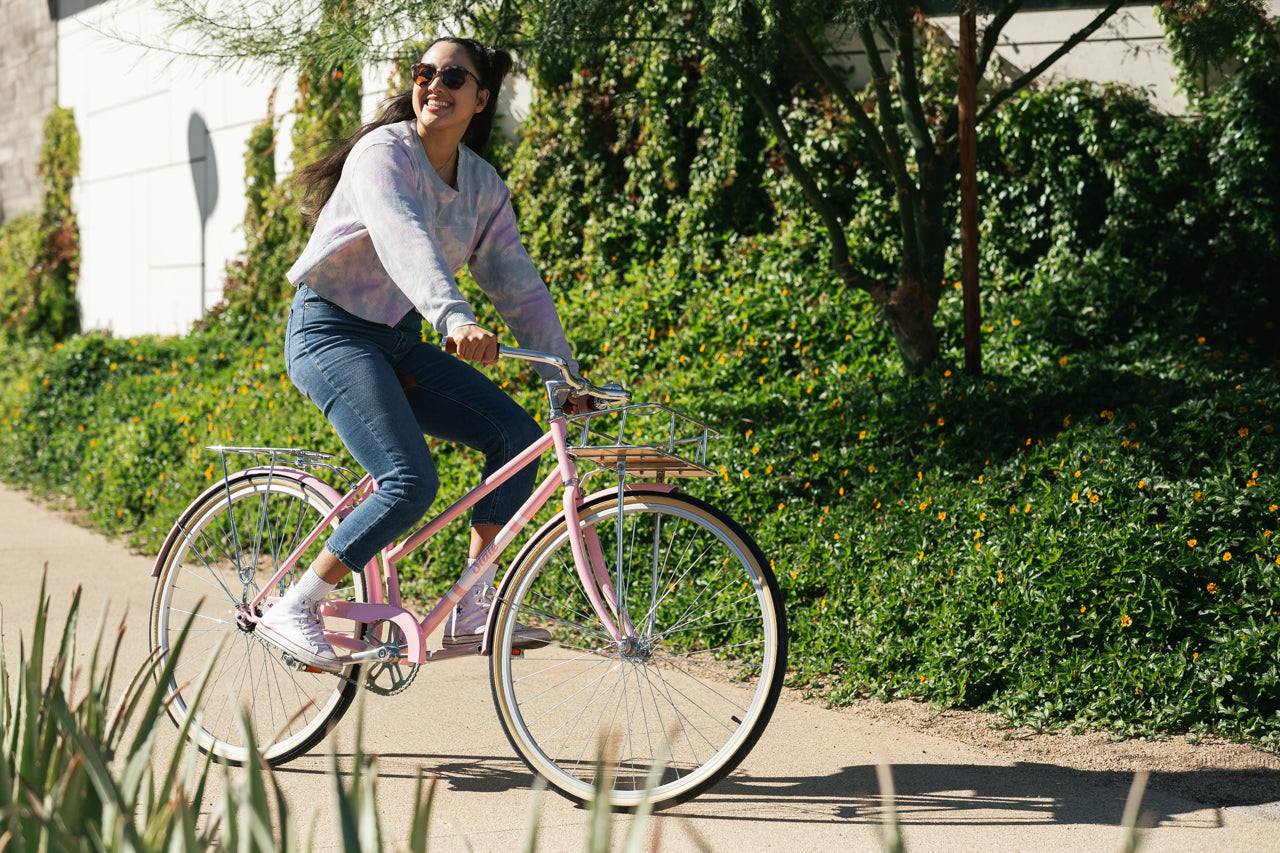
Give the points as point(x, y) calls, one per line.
point(809, 785)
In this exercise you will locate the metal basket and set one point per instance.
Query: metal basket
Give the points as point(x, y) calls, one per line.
point(642, 440)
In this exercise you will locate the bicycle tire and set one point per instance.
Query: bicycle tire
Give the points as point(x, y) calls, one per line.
point(693, 694)
point(253, 522)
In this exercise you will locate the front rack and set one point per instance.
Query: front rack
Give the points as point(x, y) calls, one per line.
point(643, 440)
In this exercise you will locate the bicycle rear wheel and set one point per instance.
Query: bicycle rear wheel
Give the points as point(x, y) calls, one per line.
point(223, 548)
point(689, 691)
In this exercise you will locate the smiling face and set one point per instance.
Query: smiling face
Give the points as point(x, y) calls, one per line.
point(444, 113)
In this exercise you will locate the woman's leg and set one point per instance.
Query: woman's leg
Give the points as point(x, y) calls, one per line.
point(454, 401)
point(344, 365)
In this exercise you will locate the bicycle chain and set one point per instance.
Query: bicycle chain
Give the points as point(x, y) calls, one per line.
point(398, 683)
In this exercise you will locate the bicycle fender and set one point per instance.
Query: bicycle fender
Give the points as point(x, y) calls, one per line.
point(180, 525)
point(642, 488)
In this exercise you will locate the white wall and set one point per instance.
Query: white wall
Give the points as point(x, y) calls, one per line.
point(148, 263)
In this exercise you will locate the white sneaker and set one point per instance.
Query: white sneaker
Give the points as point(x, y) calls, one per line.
point(470, 619)
point(294, 626)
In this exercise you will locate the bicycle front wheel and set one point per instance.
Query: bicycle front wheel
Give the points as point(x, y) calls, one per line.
point(223, 548)
point(686, 692)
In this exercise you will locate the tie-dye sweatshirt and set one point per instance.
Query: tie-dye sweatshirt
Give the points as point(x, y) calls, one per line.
point(393, 234)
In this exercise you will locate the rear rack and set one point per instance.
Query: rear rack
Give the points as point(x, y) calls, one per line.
point(270, 457)
point(642, 440)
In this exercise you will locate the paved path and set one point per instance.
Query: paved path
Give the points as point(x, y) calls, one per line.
point(809, 785)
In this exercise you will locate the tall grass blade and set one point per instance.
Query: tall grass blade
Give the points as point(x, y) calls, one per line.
point(532, 817)
point(890, 831)
point(1132, 820)
point(422, 807)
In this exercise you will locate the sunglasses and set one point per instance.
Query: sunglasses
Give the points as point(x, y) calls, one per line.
point(452, 76)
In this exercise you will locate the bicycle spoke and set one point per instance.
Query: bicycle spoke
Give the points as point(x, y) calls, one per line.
point(685, 694)
point(211, 568)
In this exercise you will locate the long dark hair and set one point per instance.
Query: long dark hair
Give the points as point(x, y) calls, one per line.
point(320, 178)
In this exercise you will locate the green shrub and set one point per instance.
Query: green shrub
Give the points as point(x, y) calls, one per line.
point(40, 252)
point(936, 537)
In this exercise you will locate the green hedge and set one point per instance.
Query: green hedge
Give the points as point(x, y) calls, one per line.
point(1085, 535)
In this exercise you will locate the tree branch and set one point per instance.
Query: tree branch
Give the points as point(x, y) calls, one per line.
point(837, 241)
point(908, 82)
point(1023, 81)
point(991, 35)
point(906, 189)
point(835, 82)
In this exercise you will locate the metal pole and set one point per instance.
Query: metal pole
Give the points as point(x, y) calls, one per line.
point(969, 188)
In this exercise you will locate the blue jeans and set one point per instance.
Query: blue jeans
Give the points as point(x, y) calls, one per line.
point(382, 388)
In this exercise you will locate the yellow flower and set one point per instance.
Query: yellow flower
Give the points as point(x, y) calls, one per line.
point(1093, 498)
point(1199, 496)
point(1083, 608)
point(1075, 496)
point(942, 516)
point(1141, 483)
point(1125, 621)
point(1226, 558)
point(1213, 588)
point(1191, 543)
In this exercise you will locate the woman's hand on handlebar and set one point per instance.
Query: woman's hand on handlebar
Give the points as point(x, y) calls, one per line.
point(473, 343)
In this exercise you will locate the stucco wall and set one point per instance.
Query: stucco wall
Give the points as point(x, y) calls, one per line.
point(161, 191)
point(28, 87)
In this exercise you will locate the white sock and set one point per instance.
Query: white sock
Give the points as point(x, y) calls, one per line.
point(312, 587)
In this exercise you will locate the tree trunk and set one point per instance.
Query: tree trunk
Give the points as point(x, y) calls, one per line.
point(908, 309)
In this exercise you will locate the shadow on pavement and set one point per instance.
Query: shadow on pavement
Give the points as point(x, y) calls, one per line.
point(1028, 794)
point(470, 773)
point(927, 794)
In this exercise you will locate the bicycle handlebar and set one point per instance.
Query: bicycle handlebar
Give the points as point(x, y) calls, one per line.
point(611, 393)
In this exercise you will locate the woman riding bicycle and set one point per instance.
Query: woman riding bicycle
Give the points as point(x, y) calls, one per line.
point(404, 204)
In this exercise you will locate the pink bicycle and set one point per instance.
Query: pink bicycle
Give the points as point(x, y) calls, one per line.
point(669, 630)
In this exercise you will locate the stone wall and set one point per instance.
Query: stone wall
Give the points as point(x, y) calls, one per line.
point(28, 89)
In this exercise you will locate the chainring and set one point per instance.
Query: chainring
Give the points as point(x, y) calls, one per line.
point(387, 678)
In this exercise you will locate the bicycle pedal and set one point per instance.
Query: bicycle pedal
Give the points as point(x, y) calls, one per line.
point(293, 663)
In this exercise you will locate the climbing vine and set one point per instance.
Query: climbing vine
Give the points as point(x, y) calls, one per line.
point(40, 250)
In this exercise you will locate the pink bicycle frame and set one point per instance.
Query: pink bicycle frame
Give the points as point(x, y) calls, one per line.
point(382, 582)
